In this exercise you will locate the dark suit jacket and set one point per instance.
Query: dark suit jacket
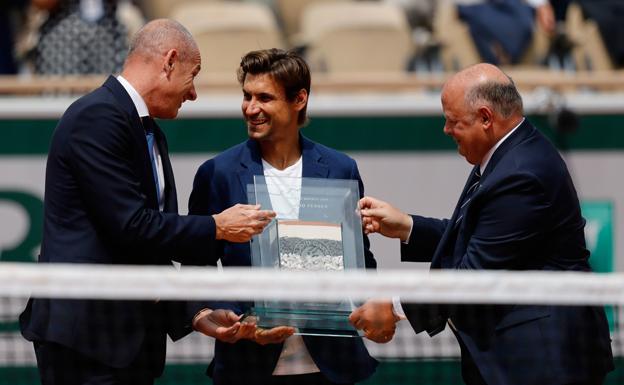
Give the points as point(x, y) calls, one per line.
point(524, 216)
point(101, 207)
point(222, 182)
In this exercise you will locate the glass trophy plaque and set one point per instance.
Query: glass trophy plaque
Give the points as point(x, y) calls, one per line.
point(317, 228)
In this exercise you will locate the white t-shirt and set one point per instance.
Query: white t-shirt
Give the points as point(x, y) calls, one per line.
point(284, 188)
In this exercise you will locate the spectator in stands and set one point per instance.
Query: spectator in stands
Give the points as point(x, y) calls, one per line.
point(519, 211)
point(110, 198)
point(502, 29)
point(8, 64)
point(80, 37)
point(275, 86)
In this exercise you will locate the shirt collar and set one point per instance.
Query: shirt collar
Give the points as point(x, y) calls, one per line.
point(488, 156)
point(137, 100)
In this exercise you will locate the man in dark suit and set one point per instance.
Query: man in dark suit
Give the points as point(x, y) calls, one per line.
point(110, 198)
point(276, 85)
point(518, 211)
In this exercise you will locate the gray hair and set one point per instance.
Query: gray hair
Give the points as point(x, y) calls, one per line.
point(504, 98)
point(161, 35)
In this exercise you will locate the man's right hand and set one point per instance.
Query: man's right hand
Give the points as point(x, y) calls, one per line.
point(240, 222)
point(376, 318)
point(380, 217)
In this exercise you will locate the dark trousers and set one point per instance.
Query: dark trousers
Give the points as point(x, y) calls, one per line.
point(469, 370)
point(59, 365)
point(472, 376)
point(594, 381)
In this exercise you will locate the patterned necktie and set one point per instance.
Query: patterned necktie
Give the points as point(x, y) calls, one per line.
point(148, 125)
point(474, 186)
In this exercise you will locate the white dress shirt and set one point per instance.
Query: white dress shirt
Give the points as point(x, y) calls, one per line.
point(142, 110)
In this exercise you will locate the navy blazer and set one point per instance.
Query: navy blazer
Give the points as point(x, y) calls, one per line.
point(222, 182)
point(525, 215)
point(101, 207)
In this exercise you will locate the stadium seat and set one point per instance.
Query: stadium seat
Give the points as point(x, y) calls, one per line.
point(291, 11)
point(356, 37)
point(163, 8)
point(225, 31)
point(457, 48)
point(589, 50)
point(158, 8)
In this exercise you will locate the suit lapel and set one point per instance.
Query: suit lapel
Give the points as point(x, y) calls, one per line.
point(314, 166)
point(524, 131)
point(313, 163)
point(456, 219)
point(144, 166)
point(449, 236)
point(250, 164)
point(136, 127)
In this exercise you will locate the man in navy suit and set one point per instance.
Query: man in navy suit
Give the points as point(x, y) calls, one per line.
point(276, 85)
point(518, 211)
point(110, 198)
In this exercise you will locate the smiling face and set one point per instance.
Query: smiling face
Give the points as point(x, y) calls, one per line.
point(464, 125)
point(178, 85)
point(269, 115)
point(181, 84)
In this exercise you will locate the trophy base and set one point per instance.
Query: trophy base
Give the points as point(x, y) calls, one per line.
point(307, 322)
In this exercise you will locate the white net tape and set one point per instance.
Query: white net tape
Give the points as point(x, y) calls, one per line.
point(165, 282)
point(21, 280)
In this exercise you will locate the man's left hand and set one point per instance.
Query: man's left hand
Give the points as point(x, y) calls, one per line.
point(223, 325)
point(274, 335)
point(377, 319)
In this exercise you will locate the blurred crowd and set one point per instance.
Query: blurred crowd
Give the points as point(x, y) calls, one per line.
point(91, 36)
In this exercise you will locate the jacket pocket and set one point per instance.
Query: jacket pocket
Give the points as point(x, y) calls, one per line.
point(521, 314)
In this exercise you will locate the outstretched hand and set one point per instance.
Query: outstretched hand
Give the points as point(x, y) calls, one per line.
point(381, 217)
point(224, 325)
point(241, 222)
point(274, 335)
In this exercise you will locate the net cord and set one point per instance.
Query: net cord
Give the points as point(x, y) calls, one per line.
point(417, 286)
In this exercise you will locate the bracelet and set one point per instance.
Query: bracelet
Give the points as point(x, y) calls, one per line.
point(200, 314)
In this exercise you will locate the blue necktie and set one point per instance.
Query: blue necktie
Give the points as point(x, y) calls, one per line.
point(148, 125)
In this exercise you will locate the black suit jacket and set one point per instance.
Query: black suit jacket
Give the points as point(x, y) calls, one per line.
point(525, 215)
point(100, 207)
point(222, 182)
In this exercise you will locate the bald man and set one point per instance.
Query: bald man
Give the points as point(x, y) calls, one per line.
point(518, 211)
point(110, 198)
